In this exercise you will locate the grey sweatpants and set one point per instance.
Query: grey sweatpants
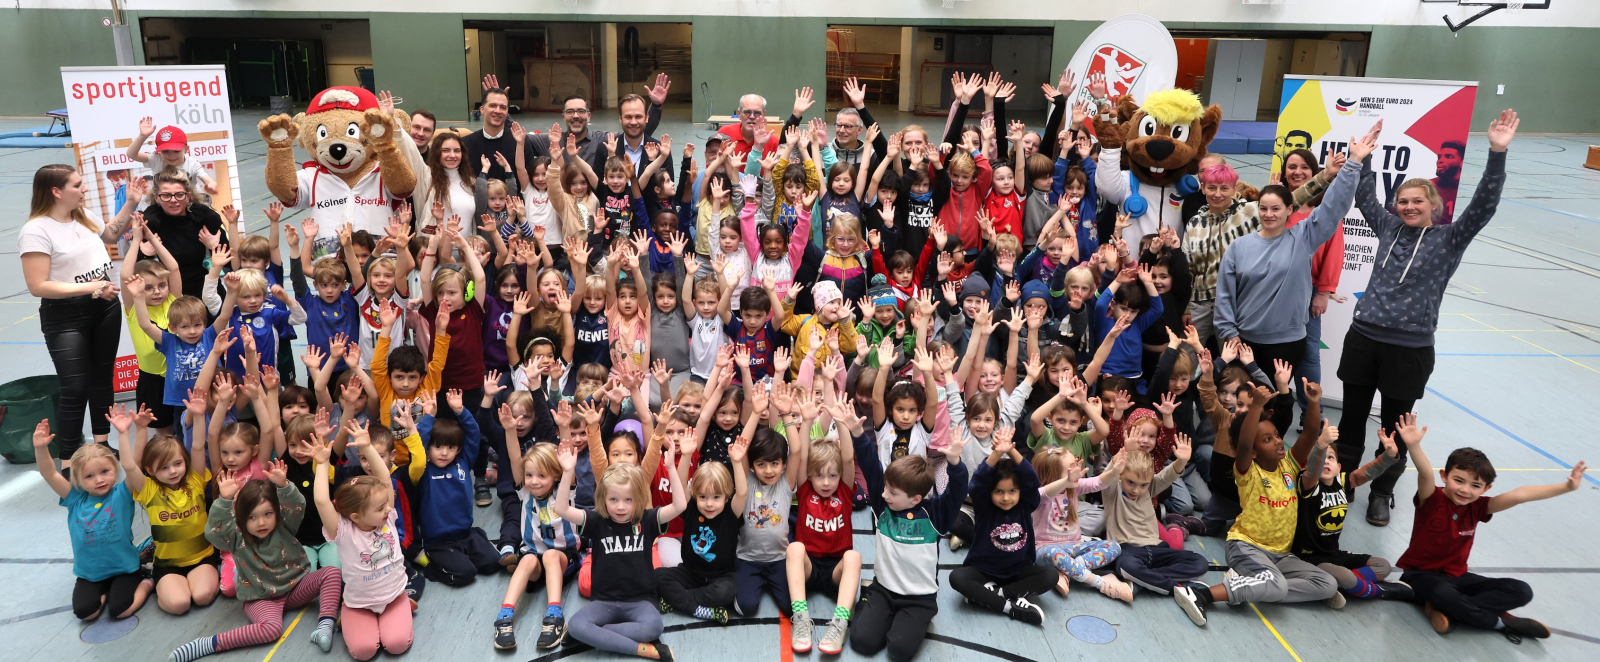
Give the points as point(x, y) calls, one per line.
point(1257, 575)
point(618, 627)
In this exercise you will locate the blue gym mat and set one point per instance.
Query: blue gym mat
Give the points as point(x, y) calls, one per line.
point(1244, 138)
point(39, 136)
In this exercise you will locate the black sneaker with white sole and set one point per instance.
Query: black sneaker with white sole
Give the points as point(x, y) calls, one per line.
point(1192, 603)
point(505, 634)
point(553, 632)
point(1021, 609)
point(1517, 628)
point(1399, 591)
point(481, 492)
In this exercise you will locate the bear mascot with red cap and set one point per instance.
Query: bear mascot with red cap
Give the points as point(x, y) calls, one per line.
point(356, 174)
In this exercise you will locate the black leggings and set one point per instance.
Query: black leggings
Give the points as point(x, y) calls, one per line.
point(1030, 581)
point(117, 592)
point(82, 334)
point(1353, 432)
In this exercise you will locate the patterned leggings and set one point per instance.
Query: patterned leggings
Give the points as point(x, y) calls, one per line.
point(266, 616)
point(1077, 559)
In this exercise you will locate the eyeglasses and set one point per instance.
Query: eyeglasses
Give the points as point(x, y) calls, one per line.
point(752, 112)
point(575, 112)
point(169, 197)
point(852, 127)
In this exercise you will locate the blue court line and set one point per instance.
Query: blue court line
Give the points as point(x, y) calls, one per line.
point(1553, 211)
point(21, 342)
point(1508, 433)
point(1513, 354)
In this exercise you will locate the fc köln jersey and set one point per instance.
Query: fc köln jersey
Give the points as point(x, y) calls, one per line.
point(366, 206)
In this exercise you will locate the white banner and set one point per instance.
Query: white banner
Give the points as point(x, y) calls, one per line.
point(104, 106)
point(1425, 125)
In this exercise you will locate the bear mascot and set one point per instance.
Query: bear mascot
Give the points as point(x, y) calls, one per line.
point(1149, 157)
point(357, 172)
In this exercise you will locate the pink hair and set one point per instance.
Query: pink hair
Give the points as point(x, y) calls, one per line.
point(1221, 173)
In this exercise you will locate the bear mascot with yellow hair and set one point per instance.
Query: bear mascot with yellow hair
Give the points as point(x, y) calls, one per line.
point(357, 173)
point(1149, 157)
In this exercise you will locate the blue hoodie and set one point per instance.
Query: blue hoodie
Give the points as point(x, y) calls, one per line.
point(447, 500)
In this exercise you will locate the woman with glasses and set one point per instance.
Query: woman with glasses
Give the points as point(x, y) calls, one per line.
point(188, 228)
point(66, 265)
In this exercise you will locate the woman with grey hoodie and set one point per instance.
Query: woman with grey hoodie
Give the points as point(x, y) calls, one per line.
point(1389, 347)
point(1264, 283)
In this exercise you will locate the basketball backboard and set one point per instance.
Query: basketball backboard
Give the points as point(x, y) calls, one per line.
point(1489, 7)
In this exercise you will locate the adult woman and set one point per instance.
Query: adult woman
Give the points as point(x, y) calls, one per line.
point(1264, 281)
point(1389, 347)
point(450, 179)
point(65, 263)
point(188, 228)
point(1300, 168)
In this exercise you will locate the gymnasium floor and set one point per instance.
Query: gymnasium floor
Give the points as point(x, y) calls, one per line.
point(1518, 359)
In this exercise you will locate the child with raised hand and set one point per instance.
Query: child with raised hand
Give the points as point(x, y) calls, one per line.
point(464, 291)
point(999, 574)
point(151, 287)
point(99, 521)
point(1130, 513)
point(404, 378)
point(1447, 517)
point(303, 436)
point(171, 485)
point(363, 522)
point(1119, 298)
point(1323, 507)
point(896, 609)
point(822, 557)
point(376, 283)
point(773, 247)
point(774, 461)
point(622, 616)
point(703, 585)
point(530, 422)
point(548, 545)
point(1057, 522)
point(244, 307)
point(457, 551)
point(1066, 412)
point(627, 318)
point(1260, 566)
point(902, 417)
point(980, 414)
point(255, 520)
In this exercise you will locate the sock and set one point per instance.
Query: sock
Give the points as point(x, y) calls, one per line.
point(324, 627)
point(799, 607)
point(195, 650)
point(506, 611)
point(1006, 608)
point(841, 613)
point(1366, 583)
point(554, 611)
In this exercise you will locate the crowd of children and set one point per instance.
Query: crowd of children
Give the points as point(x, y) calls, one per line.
point(679, 399)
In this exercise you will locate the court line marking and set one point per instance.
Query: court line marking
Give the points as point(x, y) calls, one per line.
point(1535, 345)
point(30, 616)
point(1553, 211)
point(1508, 433)
point(1274, 630)
point(285, 634)
point(1540, 257)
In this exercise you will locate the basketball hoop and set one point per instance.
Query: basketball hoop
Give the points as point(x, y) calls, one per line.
point(1491, 7)
point(1514, 7)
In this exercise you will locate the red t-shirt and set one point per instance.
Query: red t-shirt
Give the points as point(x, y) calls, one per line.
point(735, 135)
point(823, 523)
point(1006, 212)
point(463, 367)
point(661, 493)
point(1442, 534)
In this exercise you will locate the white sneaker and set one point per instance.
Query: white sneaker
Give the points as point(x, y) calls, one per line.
point(800, 632)
point(833, 640)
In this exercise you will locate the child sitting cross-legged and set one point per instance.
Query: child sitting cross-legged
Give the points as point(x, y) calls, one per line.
point(998, 574)
point(1446, 520)
point(622, 616)
point(1056, 522)
point(703, 585)
point(1260, 567)
point(1323, 506)
point(1145, 559)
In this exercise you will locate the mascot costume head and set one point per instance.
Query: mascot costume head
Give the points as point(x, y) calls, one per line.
point(1162, 141)
point(348, 136)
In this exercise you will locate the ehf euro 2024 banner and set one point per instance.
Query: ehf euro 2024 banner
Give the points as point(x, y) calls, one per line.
point(1425, 125)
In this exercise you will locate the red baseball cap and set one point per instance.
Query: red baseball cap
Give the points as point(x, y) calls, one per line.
point(348, 98)
point(171, 137)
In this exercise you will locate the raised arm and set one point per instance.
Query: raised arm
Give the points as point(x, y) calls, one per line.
point(1406, 428)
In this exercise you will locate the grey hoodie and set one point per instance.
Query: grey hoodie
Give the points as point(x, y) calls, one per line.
point(1414, 265)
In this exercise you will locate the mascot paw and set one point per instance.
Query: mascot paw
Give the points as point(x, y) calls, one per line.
point(1249, 193)
point(278, 131)
point(379, 126)
point(1110, 135)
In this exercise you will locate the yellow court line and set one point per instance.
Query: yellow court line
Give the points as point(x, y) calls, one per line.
point(1274, 630)
point(1563, 357)
point(296, 621)
point(2, 328)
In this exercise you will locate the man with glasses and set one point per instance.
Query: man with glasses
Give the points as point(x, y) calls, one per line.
point(575, 115)
point(753, 117)
point(847, 124)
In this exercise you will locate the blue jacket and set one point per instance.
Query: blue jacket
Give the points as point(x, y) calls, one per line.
point(1127, 355)
point(1088, 240)
point(447, 492)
